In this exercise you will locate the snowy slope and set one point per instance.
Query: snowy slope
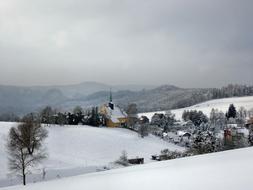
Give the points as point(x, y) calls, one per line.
point(206, 107)
point(218, 171)
point(77, 149)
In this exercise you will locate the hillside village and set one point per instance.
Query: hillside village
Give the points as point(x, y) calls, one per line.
point(235, 123)
point(195, 133)
point(219, 130)
point(126, 95)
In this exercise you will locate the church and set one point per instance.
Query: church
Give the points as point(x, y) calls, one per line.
point(114, 116)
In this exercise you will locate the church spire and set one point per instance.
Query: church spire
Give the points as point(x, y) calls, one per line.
point(111, 105)
point(110, 95)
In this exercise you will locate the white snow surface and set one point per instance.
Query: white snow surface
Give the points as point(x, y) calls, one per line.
point(80, 149)
point(206, 107)
point(217, 171)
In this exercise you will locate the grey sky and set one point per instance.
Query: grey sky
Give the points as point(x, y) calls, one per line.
point(190, 43)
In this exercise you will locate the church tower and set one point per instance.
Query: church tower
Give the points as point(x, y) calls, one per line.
point(111, 105)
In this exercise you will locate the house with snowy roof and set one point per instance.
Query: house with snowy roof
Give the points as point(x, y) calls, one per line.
point(113, 115)
point(249, 123)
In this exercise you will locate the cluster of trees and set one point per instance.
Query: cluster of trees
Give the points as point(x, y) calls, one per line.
point(217, 118)
point(164, 121)
point(197, 117)
point(204, 129)
point(205, 142)
point(197, 120)
point(11, 117)
point(239, 117)
point(202, 95)
point(48, 115)
point(78, 116)
point(232, 91)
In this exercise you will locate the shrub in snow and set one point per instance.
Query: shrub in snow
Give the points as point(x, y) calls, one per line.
point(169, 155)
point(122, 159)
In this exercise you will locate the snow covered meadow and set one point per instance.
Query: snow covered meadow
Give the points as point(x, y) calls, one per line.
point(74, 150)
point(206, 107)
point(217, 171)
point(80, 152)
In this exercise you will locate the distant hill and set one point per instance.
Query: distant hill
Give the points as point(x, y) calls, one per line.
point(87, 88)
point(22, 100)
point(160, 98)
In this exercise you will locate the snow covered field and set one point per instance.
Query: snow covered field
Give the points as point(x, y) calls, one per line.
point(79, 150)
point(218, 171)
point(206, 107)
point(76, 150)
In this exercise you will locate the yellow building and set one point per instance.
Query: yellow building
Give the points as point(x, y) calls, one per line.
point(114, 116)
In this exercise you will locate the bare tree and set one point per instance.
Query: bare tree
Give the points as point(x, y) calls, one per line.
point(132, 116)
point(33, 134)
point(21, 160)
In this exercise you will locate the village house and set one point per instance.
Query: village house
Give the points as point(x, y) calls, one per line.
point(249, 123)
point(113, 115)
point(235, 131)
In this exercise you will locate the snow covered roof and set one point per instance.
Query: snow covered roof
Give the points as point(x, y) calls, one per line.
point(183, 123)
point(115, 113)
point(182, 133)
point(242, 130)
point(232, 125)
point(250, 121)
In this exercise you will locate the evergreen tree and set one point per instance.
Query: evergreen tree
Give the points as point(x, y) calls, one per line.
point(94, 118)
point(231, 112)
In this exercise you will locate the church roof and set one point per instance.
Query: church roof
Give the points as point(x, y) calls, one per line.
point(115, 114)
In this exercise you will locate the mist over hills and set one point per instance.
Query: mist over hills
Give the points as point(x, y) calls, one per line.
point(23, 100)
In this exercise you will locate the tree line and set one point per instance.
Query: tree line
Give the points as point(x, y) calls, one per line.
point(48, 116)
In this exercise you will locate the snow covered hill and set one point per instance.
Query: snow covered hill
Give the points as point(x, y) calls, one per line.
point(218, 171)
point(76, 150)
point(206, 107)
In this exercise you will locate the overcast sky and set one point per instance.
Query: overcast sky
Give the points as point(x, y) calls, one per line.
point(190, 43)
